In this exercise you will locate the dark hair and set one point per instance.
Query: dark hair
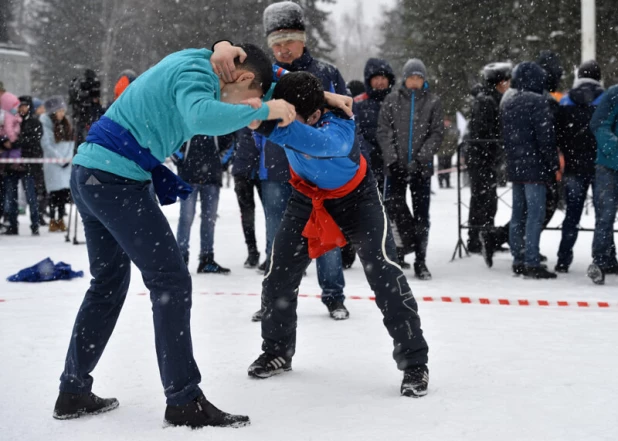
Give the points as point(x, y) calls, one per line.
point(303, 90)
point(259, 63)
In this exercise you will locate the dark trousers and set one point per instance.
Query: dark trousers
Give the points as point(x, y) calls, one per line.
point(444, 163)
point(57, 201)
point(124, 224)
point(11, 189)
point(527, 223)
point(412, 226)
point(483, 203)
point(605, 206)
point(362, 219)
point(243, 187)
point(576, 188)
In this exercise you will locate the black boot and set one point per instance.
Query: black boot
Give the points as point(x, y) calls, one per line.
point(401, 259)
point(596, 274)
point(415, 382)
point(421, 272)
point(253, 259)
point(337, 310)
point(201, 413)
point(11, 231)
point(538, 272)
point(70, 406)
point(208, 265)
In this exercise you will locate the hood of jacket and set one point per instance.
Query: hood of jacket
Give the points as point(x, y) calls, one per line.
point(377, 66)
point(529, 77)
point(585, 91)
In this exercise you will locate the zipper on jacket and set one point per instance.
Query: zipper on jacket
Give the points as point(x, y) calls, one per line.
point(411, 136)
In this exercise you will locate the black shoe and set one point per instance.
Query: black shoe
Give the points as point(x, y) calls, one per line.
point(543, 258)
point(338, 311)
point(262, 268)
point(42, 221)
point(10, 231)
point(253, 260)
point(487, 248)
point(421, 272)
point(518, 269)
point(538, 272)
point(561, 268)
point(257, 316)
point(474, 247)
point(268, 365)
point(208, 265)
point(201, 413)
point(401, 254)
point(70, 406)
point(348, 256)
point(35, 231)
point(596, 274)
point(415, 382)
point(612, 269)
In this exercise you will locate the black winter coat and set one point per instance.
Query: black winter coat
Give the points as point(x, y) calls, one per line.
point(201, 161)
point(29, 141)
point(573, 135)
point(484, 140)
point(528, 129)
point(275, 164)
point(246, 155)
point(367, 111)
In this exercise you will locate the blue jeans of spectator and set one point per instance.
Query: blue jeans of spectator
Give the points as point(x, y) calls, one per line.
point(576, 189)
point(605, 204)
point(123, 224)
point(527, 223)
point(209, 198)
point(275, 196)
point(11, 186)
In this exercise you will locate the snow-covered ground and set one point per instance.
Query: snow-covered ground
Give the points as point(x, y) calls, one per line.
point(497, 372)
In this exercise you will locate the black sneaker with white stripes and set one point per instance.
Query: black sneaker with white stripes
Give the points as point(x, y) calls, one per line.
point(415, 382)
point(268, 365)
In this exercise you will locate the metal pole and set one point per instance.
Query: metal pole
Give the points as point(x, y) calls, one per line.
point(589, 48)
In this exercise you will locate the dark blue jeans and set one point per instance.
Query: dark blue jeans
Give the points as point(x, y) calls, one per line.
point(576, 188)
point(527, 223)
point(605, 204)
point(275, 197)
point(209, 198)
point(124, 224)
point(11, 183)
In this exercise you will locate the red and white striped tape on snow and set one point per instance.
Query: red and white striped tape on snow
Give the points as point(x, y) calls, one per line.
point(461, 300)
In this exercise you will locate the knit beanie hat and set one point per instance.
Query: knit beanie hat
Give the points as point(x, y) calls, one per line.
point(55, 103)
point(589, 69)
point(414, 66)
point(284, 21)
point(36, 103)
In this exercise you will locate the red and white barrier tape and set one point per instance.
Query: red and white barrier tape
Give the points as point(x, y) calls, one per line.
point(35, 160)
point(460, 300)
point(577, 304)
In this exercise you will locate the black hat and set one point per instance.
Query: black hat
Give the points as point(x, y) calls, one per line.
point(589, 69)
point(495, 73)
point(283, 15)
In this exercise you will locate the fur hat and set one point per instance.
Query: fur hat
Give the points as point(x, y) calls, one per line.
point(55, 103)
point(283, 15)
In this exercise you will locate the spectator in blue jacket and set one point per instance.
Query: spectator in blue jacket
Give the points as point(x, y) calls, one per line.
point(531, 159)
point(579, 147)
point(199, 164)
point(285, 29)
point(604, 125)
point(245, 169)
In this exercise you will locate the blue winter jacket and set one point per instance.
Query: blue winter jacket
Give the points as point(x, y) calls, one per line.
point(528, 128)
point(274, 165)
point(604, 124)
point(326, 154)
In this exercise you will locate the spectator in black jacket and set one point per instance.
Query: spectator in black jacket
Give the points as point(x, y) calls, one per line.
point(531, 159)
point(579, 147)
point(483, 153)
point(245, 171)
point(29, 142)
point(199, 164)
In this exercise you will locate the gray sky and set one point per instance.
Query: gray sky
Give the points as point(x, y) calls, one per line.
point(371, 8)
